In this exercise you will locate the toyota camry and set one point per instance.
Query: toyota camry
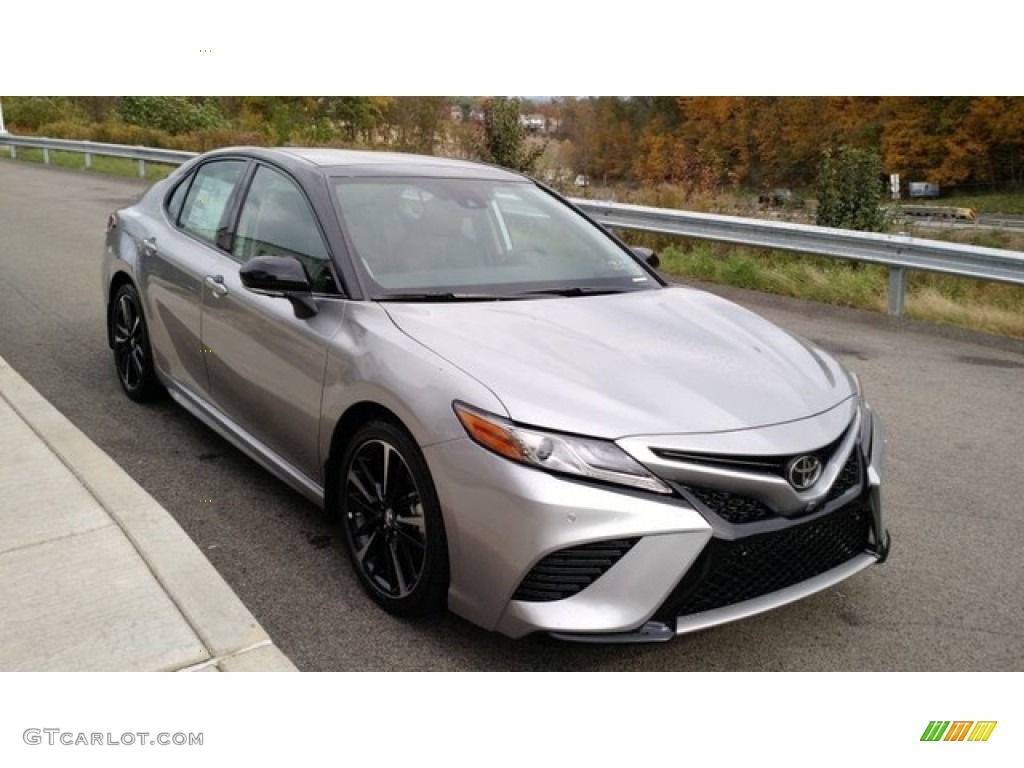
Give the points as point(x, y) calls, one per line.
point(510, 412)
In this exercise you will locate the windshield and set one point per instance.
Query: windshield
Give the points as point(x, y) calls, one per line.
point(445, 239)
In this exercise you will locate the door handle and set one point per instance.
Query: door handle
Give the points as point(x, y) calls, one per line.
point(216, 285)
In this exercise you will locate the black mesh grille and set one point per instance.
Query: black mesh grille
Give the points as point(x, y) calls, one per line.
point(732, 507)
point(849, 476)
point(568, 571)
point(738, 509)
point(730, 572)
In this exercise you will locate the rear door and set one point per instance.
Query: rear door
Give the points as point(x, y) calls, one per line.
point(174, 263)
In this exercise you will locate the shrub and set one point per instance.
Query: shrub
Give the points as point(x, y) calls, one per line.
point(112, 132)
point(172, 114)
point(215, 138)
point(25, 114)
point(66, 129)
point(850, 191)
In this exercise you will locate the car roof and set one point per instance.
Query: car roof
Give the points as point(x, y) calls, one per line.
point(353, 162)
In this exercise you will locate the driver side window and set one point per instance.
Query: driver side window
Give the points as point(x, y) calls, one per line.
point(276, 220)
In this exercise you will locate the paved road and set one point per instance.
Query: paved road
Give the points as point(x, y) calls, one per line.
point(1001, 220)
point(984, 221)
point(948, 599)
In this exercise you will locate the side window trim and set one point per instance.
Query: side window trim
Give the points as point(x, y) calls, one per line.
point(233, 210)
point(185, 184)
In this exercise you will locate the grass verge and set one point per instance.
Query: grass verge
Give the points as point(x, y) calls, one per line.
point(115, 166)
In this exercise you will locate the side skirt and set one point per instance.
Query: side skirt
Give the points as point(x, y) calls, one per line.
point(246, 443)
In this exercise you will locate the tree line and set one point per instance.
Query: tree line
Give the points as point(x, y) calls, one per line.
point(701, 143)
point(779, 141)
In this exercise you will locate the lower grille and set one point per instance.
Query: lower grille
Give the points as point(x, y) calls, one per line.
point(730, 572)
point(568, 571)
point(732, 507)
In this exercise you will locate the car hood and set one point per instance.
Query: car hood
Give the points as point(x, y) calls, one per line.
point(669, 361)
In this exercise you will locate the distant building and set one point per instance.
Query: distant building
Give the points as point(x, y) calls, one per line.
point(533, 123)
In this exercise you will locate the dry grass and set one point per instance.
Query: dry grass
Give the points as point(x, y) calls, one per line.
point(987, 237)
point(930, 304)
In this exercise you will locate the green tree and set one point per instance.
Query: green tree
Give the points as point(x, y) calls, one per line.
point(355, 117)
point(504, 139)
point(850, 190)
point(414, 122)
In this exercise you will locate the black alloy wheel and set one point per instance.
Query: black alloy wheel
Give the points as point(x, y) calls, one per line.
point(133, 357)
point(392, 520)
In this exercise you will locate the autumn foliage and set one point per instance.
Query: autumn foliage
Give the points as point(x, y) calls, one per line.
point(778, 141)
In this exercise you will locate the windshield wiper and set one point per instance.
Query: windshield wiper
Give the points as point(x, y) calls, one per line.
point(573, 290)
point(451, 296)
point(440, 296)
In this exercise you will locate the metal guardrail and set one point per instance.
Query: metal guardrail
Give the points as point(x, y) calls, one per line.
point(899, 253)
point(141, 155)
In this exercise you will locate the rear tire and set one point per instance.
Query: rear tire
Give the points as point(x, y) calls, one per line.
point(133, 357)
point(392, 521)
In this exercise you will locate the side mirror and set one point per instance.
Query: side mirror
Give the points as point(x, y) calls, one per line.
point(280, 277)
point(647, 254)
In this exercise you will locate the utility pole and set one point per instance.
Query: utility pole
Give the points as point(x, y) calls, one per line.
point(2, 129)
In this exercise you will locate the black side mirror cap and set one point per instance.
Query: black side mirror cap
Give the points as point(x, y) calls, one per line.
point(280, 277)
point(274, 275)
point(647, 254)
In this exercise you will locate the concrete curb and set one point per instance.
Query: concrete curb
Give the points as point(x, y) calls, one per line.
point(232, 637)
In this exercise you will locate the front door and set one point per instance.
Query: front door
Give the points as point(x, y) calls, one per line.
point(266, 366)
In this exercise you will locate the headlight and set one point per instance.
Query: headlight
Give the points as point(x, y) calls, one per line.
point(565, 454)
point(866, 417)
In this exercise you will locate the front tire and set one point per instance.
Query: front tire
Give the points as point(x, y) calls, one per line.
point(392, 521)
point(133, 356)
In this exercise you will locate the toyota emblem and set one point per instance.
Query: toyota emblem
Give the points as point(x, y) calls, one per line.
point(804, 472)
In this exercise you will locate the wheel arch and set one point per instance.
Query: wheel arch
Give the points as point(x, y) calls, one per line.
point(427, 580)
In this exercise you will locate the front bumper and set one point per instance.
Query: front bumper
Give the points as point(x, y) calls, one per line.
point(503, 518)
point(511, 528)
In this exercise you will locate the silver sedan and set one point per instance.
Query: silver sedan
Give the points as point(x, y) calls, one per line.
point(510, 412)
